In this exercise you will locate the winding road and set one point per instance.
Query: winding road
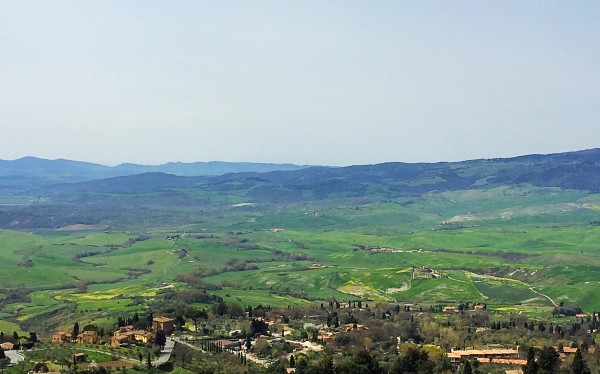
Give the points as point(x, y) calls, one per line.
point(15, 357)
point(546, 296)
point(165, 354)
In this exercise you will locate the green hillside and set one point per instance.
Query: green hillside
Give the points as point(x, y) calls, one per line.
point(96, 251)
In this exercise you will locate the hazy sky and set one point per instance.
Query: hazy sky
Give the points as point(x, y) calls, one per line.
point(310, 82)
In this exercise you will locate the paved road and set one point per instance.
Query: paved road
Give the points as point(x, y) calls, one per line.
point(15, 357)
point(165, 354)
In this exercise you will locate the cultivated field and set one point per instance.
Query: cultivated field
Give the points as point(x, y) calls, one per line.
point(514, 248)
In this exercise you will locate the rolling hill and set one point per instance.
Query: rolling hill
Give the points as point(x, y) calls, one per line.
point(573, 170)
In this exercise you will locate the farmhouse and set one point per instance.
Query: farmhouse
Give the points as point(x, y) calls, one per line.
point(324, 335)
point(355, 327)
point(127, 335)
point(87, 337)
point(7, 346)
point(163, 323)
point(120, 338)
point(61, 337)
point(143, 336)
point(479, 307)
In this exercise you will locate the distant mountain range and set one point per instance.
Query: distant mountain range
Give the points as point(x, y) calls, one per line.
point(37, 193)
point(282, 182)
point(64, 171)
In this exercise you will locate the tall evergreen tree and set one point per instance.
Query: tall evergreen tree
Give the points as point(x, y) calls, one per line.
point(161, 339)
point(466, 368)
point(549, 361)
point(325, 365)
point(531, 367)
point(414, 361)
point(75, 330)
point(579, 366)
point(301, 365)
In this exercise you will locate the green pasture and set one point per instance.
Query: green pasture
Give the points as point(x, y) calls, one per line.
point(9, 327)
point(510, 293)
point(530, 310)
point(494, 245)
point(441, 290)
point(64, 353)
point(584, 295)
point(256, 297)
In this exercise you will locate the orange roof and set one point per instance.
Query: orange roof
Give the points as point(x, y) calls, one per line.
point(475, 352)
point(162, 319)
point(120, 337)
point(503, 361)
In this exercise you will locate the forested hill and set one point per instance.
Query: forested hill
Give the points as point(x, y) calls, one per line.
point(30, 201)
point(573, 170)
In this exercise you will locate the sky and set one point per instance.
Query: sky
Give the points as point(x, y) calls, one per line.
point(306, 82)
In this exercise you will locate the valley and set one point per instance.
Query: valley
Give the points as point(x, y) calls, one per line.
point(96, 251)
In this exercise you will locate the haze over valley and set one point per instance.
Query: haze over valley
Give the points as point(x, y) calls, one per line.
point(401, 187)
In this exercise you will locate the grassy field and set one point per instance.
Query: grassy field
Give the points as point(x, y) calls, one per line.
point(491, 246)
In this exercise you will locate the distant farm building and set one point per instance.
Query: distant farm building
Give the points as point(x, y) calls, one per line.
point(497, 356)
point(425, 273)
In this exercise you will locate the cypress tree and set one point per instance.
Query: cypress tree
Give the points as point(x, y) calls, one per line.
point(549, 360)
point(467, 369)
point(579, 366)
point(531, 367)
